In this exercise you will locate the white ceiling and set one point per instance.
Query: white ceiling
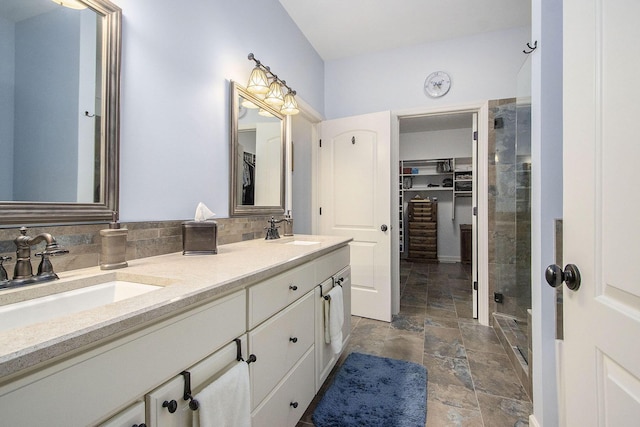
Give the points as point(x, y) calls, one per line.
point(343, 28)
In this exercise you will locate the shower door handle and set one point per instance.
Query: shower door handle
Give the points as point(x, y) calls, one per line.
point(555, 276)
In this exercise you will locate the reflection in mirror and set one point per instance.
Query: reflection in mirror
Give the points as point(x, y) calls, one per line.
point(257, 156)
point(58, 111)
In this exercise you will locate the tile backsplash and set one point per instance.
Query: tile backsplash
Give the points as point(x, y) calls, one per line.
point(145, 239)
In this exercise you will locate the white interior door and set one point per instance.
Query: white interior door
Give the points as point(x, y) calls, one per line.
point(601, 359)
point(354, 189)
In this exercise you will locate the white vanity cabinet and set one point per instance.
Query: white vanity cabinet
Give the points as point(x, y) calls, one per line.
point(90, 387)
point(282, 334)
point(99, 377)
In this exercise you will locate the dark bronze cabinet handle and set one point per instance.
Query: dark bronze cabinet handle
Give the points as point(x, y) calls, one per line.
point(294, 404)
point(293, 287)
point(293, 340)
point(171, 406)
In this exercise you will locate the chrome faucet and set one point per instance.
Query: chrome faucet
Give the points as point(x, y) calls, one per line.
point(23, 271)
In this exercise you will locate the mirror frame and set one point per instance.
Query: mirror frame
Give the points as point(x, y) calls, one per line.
point(239, 210)
point(12, 213)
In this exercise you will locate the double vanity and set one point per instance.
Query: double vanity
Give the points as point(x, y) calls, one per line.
point(134, 346)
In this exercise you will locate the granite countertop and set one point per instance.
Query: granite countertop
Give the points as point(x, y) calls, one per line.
point(186, 280)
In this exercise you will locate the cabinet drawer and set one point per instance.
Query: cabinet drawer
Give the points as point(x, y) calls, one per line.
point(329, 264)
point(123, 370)
point(414, 225)
point(422, 247)
point(423, 233)
point(274, 346)
point(272, 295)
point(423, 254)
point(297, 387)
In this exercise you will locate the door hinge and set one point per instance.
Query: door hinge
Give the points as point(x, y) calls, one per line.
point(475, 135)
point(475, 286)
point(475, 211)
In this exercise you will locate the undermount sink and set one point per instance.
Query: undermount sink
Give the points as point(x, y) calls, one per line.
point(302, 243)
point(49, 307)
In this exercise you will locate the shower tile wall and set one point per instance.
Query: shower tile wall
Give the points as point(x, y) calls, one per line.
point(509, 227)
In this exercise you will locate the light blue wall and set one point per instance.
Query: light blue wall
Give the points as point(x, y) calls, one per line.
point(7, 73)
point(482, 67)
point(46, 106)
point(178, 59)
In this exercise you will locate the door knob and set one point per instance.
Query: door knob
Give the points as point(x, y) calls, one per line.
point(555, 276)
point(384, 227)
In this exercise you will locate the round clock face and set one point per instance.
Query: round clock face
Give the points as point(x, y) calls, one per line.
point(437, 84)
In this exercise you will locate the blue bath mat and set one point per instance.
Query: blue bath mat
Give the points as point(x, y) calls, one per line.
point(375, 391)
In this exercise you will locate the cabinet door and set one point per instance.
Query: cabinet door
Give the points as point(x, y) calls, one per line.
point(201, 374)
point(325, 357)
point(132, 416)
point(278, 344)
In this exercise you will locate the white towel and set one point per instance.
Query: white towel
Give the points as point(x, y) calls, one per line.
point(327, 333)
point(336, 318)
point(225, 402)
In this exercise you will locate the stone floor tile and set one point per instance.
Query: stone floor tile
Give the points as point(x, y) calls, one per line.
point(452, 395)
point(443, 342)
point(501, 411)
point(448, 371)
point(441, 415)
point(492, 374)
point(480, 338)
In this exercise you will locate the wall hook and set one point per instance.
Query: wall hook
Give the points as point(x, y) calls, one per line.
point(532, 48)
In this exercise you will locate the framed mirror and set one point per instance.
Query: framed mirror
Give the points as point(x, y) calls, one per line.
point(257, 184)
point(59, 111)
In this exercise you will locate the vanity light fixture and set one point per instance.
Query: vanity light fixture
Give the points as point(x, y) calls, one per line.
point(258, 82)
point(272, 91)
point(71, 4)
point(275, 96)
point(247, 104)
point(290, 106)
point(265, 113)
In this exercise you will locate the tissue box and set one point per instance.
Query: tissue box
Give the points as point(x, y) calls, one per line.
point(199, 238)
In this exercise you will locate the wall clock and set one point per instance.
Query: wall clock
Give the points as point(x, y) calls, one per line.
point(437, 84)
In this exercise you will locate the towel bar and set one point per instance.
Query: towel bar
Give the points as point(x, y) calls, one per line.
point(252, 357)
point(193, 403)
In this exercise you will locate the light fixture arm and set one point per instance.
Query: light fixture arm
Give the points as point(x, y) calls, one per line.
point(267, 70)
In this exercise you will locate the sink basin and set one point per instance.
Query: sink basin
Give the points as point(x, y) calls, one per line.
point(49, 307)
point(302, 243)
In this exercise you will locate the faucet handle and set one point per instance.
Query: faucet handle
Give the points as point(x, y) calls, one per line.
point(3, 273)
point(45, 268)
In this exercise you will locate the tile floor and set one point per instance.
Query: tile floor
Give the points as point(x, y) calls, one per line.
point(471, 381)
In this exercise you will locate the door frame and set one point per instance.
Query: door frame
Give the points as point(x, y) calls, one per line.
point(482, 109)
point(482, 197)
